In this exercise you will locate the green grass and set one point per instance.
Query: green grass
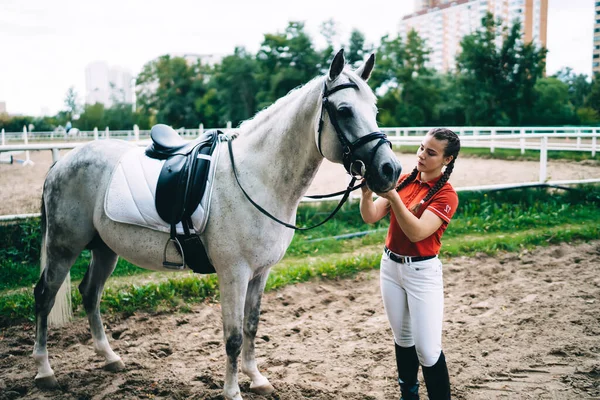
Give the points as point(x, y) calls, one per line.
point(485, 222)
point(180, 293)
point(493, 212)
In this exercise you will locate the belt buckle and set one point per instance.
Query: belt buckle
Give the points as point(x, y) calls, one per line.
point(406, 259)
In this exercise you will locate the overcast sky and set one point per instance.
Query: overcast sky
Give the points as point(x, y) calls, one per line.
point(45, 45)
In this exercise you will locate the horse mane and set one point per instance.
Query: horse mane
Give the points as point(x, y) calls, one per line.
point(316, 84)
point(267, 113)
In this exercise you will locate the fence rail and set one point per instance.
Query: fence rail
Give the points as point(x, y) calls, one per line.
point(542, 139)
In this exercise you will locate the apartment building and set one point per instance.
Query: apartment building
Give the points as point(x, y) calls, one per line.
point(596, 49)
point(443, 23)
point(106, 84)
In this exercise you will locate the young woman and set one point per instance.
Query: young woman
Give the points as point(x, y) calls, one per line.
point(411, 273)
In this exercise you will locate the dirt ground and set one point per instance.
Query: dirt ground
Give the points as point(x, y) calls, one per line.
point(21, 186)
point(517, 326)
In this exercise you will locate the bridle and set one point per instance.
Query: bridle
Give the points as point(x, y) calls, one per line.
point(349, 158)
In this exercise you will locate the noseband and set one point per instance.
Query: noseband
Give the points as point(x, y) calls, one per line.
point(354, 166)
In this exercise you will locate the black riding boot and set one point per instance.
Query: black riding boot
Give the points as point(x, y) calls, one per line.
point(408, 367)
point(437, 380)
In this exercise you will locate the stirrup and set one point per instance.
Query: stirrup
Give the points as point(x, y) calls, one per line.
point(170, 264)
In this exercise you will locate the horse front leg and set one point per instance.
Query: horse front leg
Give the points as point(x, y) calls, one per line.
point(256, 287)
point(233, 285)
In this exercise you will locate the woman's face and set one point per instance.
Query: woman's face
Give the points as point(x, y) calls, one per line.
point(430, 156)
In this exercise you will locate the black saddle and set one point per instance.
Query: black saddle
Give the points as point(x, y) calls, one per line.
point(181, 186)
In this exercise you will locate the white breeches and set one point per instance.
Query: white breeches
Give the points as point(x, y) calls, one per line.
point(413, 297)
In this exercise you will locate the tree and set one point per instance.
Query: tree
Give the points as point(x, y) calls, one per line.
point(236, 87)
point(357, 49)
point(285, 60)
point(552, 106)
point(579, 86)
point(497, 82)
point(71, 103)
point(410, 91)
point(169, 90)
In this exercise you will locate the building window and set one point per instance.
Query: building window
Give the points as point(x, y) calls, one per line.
point(596, 55)
point(595, 64)
point(597, 30)
point(597, 3)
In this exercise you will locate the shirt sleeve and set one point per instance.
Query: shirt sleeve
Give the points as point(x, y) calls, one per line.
point(444, 204)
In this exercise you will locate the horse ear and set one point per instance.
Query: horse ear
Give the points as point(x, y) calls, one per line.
point(364, 71)
point(337, 65)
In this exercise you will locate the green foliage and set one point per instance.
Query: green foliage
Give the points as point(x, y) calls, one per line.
point(497, 82)
point(552, 103)
point(492, 84)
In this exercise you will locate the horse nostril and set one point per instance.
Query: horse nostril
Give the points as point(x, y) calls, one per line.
point(387, 170)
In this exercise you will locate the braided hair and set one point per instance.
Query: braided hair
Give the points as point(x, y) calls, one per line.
point(452, 149)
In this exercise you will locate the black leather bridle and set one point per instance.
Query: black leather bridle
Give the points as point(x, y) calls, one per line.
point(349, 158)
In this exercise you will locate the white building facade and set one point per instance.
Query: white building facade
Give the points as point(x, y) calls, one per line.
point(108, 85)
point(443, 24)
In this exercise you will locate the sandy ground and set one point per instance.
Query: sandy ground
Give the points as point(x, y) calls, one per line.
point(21, 186)
point(517, 326)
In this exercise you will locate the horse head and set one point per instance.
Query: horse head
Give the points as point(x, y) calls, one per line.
point(348, 131)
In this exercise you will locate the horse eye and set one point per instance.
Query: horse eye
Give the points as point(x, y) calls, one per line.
point(344, 112)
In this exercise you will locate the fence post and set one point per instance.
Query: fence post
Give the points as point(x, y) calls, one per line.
point(107, 133)
point(579, 139)
point(26, 140)
point(228, 125)
point(405, 132)
point(492, 143)
point(136, 132)
point(55, 155)
point(201, 129)
point(522, 140)
point(595, 132)
point(543, 158)
point(3, 140)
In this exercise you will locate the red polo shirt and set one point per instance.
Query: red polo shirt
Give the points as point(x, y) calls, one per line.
point(443, 204)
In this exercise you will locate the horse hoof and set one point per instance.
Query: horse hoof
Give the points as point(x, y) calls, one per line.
point(47, 382)
point(115, 366)
point(262, 390)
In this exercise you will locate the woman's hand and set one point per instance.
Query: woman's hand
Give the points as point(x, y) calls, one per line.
point(392, 196)
point(366, 192)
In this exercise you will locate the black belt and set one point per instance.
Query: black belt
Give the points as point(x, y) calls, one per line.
point(405, 259)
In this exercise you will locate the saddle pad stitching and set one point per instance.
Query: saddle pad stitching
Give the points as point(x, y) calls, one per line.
point(134, 199)
point(152, 192)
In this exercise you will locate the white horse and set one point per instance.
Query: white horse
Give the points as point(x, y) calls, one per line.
point(277, 155)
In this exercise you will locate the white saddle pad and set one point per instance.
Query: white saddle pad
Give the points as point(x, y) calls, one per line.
point(132, 191)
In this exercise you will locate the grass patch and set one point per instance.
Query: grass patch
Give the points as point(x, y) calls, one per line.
point(179, 293)
point(479, 212)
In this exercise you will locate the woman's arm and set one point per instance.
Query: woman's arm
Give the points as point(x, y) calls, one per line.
point(372, 211)
point(416, 229)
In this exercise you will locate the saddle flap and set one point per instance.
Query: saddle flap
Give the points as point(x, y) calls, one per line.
point(169, 194)
point(182, 180)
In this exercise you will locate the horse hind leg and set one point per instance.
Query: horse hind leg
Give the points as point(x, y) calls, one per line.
point(101, 267)
point(256, 286)
point(56, 262)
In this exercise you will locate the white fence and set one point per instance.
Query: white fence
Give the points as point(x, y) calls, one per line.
point(542, 139)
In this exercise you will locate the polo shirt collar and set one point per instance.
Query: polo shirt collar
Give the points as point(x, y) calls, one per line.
point(430, 183)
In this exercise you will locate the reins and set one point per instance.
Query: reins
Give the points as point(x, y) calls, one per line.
point(346, 193)
point(348, 158)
